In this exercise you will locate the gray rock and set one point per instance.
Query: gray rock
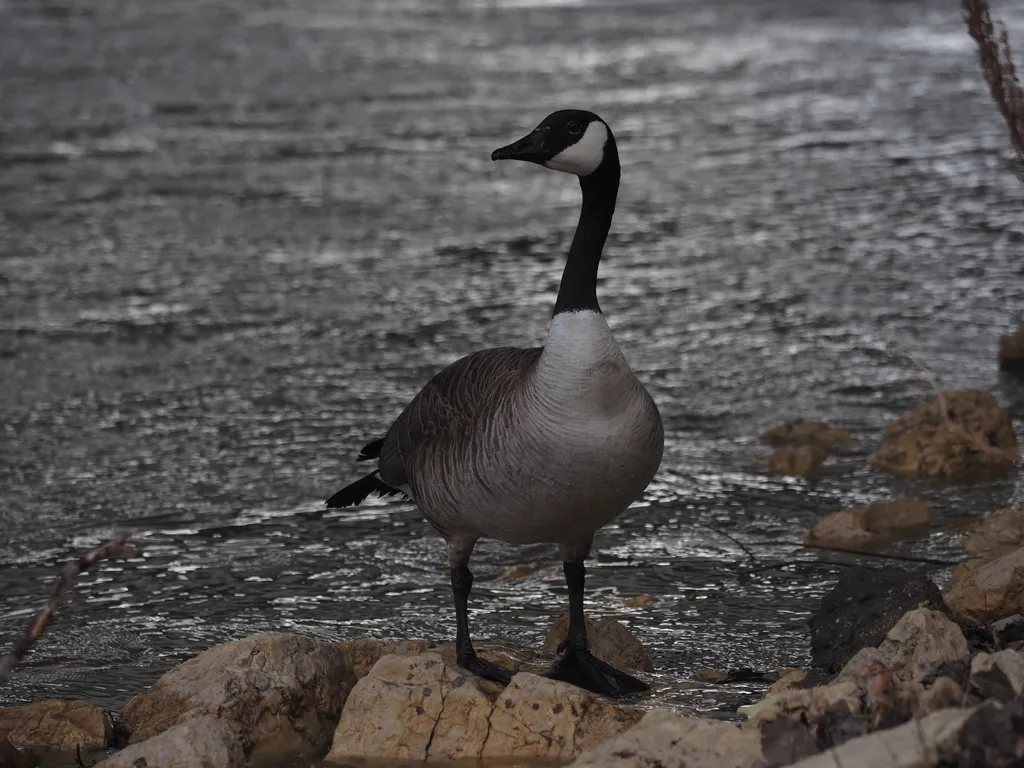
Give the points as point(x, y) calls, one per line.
point(998, 675)
point(861, 609)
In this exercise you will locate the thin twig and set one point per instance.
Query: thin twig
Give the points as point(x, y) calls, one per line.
point(113, 548)
point(999, 71)
point(733, 539)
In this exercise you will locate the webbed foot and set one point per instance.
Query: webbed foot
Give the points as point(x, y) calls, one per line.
point(581, 668)
point(485, 669)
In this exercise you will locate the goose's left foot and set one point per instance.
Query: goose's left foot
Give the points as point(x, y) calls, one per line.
point(583, 669)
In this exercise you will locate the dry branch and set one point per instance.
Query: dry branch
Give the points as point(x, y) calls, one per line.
point(115, 547)
point(999, 71)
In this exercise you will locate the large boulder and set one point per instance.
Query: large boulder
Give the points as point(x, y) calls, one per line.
point(999, 533)
point(278, 692)
point(195, 742)
point(422, 708)
point(860, 610)
point(873, 522)
point(667, 740)
point(362, 654)
point(980, 593)
point(57, 724)
point(959, 436)
point(609, 640)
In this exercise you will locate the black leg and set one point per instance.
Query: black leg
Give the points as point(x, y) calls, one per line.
point(578, 665)
point(462, 583)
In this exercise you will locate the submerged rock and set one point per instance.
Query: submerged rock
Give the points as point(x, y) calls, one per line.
point(277, 692)
point(860, 610)
point(872, 522)
point(667, 740)
point(1011, 351)
point(960, 436)
point(798, 461)
point(609, 640)
point(980, 593)
point(808, 433)
point(421, 708)
point(196, 742)
point(999, 533)
point(56, 724)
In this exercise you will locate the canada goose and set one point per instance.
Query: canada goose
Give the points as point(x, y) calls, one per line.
point(533, 445)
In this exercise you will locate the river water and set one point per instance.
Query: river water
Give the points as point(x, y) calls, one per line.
point(237, 236)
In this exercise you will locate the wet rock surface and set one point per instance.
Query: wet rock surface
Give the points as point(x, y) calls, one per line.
point(56, 724)
point(981, 593)
point(419, 708)
point(960, 436)
point(998, 534)
point(609, 640)
point(668, 740)
point(798, 460)
point(13, 757)
point(860, 610)
point(818, 433)
point(873, 522)
point(277, 692)
point(202, 741)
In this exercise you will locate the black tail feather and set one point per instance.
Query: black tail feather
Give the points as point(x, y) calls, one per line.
point(356, 493)
point(371, 450)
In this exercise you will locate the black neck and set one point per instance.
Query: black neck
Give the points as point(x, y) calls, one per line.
point(578, 290)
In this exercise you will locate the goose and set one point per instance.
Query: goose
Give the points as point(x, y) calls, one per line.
point(541, 445)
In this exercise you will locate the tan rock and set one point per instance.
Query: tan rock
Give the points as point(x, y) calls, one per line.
point(808, 433)
point(998, 675)
point(960, 436)
point(791, 680)
point(279, 692)
point(1011, 351)
point(421, 708)
point(860, 525)
point(916, 744)
point(981, 593)
point(798, 461)
point(668, 740)
point(364, 653)
point(521, 571)
point(609, 640)
point(998, 534)
point(922, 645)
point(196, 742)
point(57, 724)
point(707, 675)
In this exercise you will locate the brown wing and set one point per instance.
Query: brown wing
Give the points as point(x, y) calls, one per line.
point(449, 403)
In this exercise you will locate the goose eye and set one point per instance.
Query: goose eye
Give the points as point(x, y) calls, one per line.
point(574, 128)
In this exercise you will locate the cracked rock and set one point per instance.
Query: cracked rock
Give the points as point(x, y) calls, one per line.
point(278, 692)
point(980, 593)
point(421, 708)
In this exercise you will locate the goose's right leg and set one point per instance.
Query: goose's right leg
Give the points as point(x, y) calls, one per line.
point(459, 552)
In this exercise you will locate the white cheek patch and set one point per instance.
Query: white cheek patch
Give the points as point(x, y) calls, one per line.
point(583, 157)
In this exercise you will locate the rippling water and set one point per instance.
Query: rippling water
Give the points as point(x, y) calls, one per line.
point(236, 237)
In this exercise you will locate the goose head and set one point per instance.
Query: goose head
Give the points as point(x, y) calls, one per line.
point(571, 140)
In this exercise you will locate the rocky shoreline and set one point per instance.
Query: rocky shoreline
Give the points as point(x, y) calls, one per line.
point(905, 674)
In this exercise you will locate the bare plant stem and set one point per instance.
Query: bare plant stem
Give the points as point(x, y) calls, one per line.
point(116, 547)
point(999, 71)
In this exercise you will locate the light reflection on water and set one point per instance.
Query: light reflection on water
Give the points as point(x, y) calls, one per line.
point(222, 275)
